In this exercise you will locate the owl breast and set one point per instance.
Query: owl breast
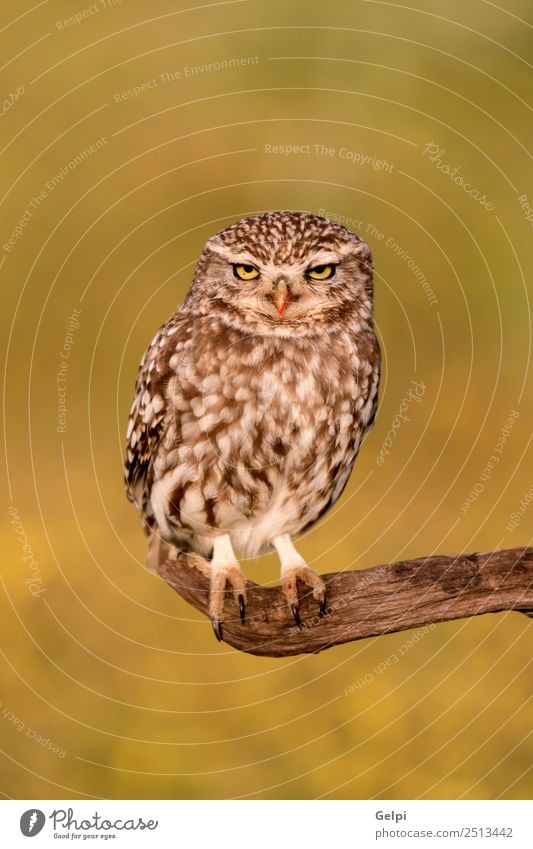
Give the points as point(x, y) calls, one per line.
point(261, 436)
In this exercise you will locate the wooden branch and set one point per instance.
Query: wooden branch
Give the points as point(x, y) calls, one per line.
point(381, 600)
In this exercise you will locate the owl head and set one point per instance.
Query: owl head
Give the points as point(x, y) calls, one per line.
point(285, 273)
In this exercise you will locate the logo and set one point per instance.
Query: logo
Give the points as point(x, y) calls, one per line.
point(32, 822)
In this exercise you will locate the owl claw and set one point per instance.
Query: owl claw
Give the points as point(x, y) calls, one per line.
point(225, 570)
point(296, 613)
point(217, 628)
point(290, 575)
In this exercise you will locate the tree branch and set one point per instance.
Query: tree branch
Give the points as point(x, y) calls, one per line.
point(381, 600)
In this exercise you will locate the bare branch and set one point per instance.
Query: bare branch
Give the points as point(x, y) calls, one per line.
point(376, 601)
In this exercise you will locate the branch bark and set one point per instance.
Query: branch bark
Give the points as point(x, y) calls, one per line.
point(376, 601)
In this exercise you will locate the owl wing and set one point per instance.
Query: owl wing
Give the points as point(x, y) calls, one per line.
point(148, 415)
point(368, 413)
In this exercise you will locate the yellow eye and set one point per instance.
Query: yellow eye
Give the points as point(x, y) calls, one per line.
point(245, 272)
point(321, 272)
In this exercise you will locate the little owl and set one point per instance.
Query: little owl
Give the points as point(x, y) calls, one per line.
point(252, 400)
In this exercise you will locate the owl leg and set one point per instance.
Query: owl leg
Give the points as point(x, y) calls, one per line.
point(225, 568)
point(293, 569)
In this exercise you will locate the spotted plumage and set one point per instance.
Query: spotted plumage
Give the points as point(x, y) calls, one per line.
point(252, 400)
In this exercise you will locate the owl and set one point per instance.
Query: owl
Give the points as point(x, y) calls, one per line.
point(252, 400)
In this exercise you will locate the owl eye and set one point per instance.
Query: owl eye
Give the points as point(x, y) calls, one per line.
point(245, 272)
point(321, 272)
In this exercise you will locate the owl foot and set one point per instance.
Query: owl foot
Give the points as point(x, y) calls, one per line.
point(225, 569)
point(294, 569)
point(308, 576)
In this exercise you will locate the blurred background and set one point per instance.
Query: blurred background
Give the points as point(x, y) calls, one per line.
point(130, 134)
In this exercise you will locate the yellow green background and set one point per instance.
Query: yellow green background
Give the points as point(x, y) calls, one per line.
point(107, 662)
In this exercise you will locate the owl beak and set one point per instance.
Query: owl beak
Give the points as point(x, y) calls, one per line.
point(281, 296)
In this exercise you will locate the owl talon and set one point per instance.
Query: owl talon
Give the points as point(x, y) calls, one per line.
point(217, 628)
point(295, 612)
point(225, 570)
point(294, 569)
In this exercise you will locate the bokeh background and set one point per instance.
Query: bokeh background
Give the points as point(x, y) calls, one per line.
point(130, 134)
